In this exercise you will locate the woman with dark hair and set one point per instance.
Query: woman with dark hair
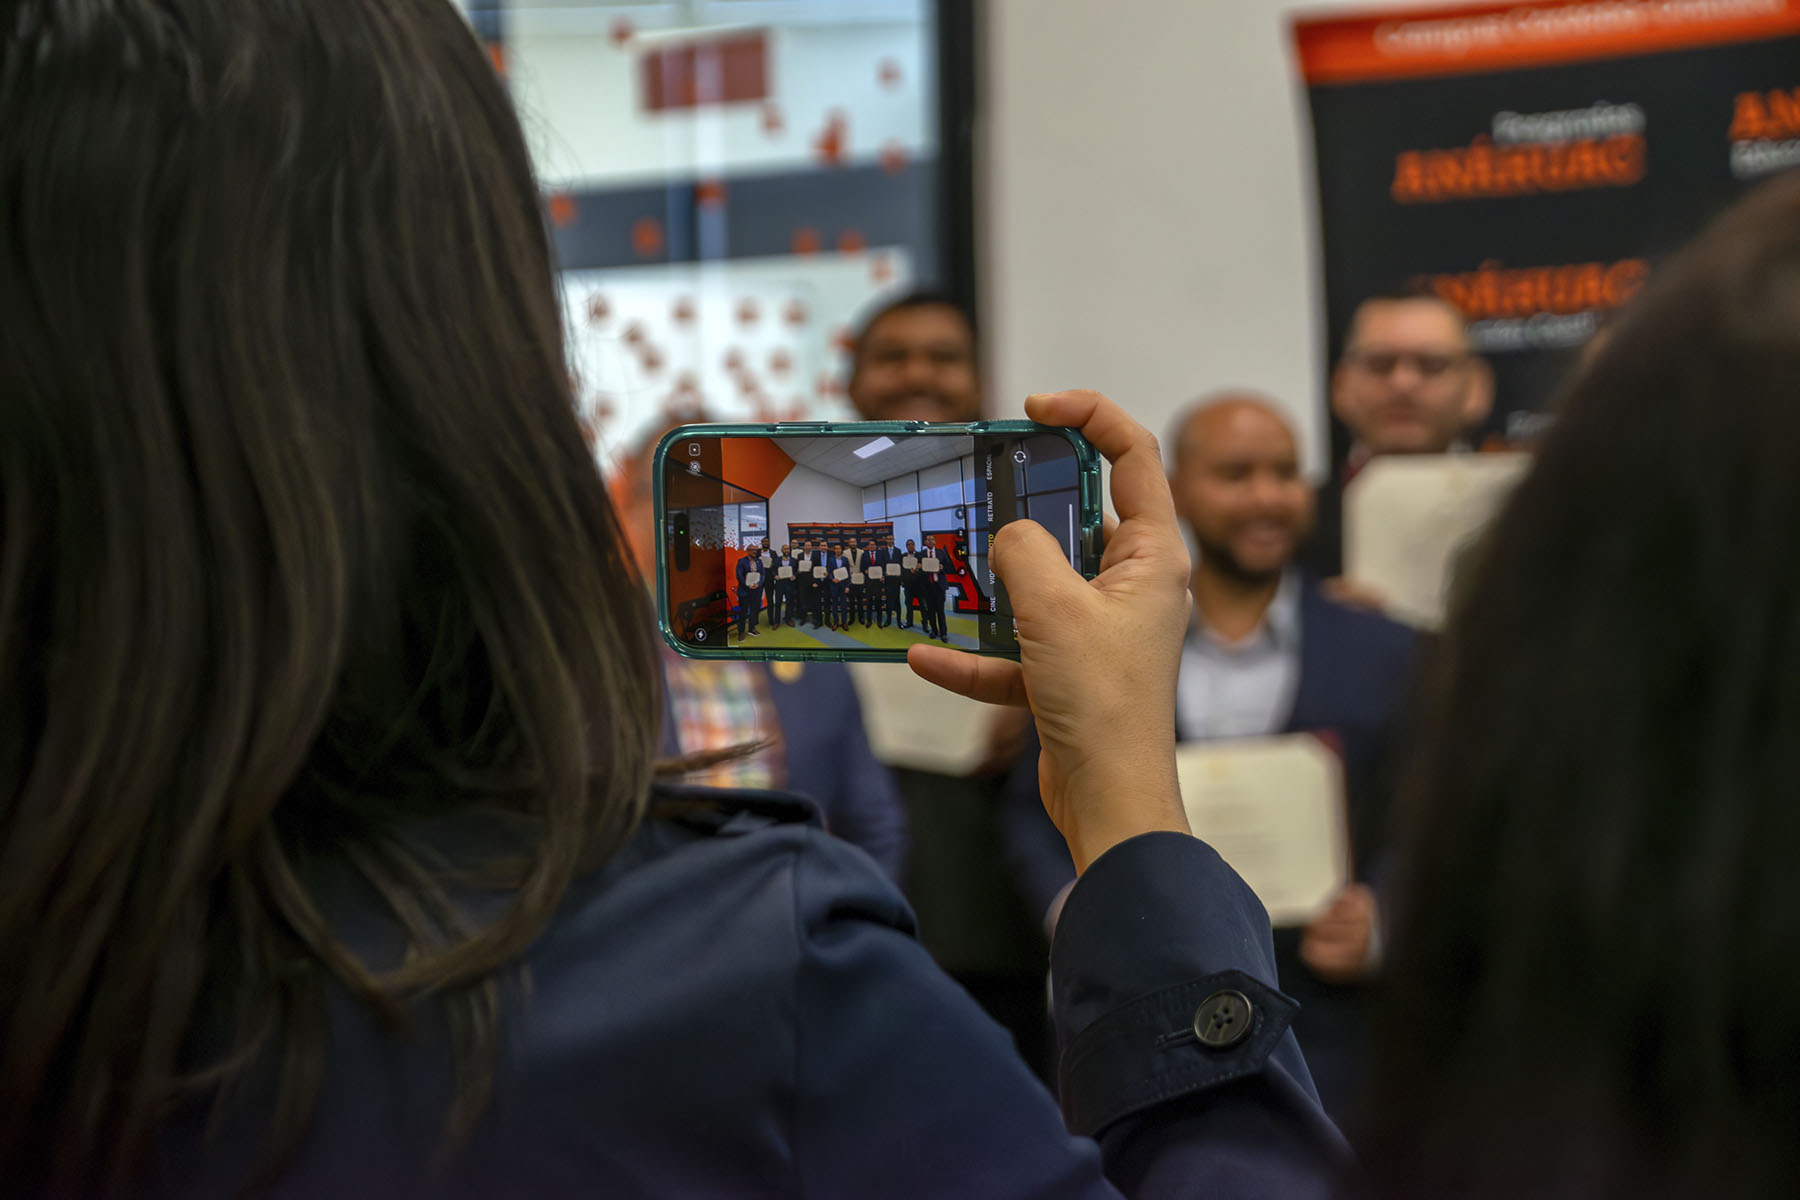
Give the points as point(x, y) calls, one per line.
point(1595, 987)
point(332, 859)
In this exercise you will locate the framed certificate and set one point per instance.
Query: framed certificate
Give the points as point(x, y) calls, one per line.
point(784, 572)
point(1409, 518)
point(893, 569)
point(931, 564)
point(818, 572)
point(910, 563)
point(805, 561)
point(1274, 809)
point(840, 574)
point(856, 577)
point(753, 579)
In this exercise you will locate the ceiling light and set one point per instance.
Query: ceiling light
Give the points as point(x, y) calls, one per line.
point(874, 447)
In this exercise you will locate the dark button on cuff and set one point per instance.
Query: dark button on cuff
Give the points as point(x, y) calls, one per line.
point(1224, 1019)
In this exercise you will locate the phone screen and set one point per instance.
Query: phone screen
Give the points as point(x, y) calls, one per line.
point(855, 541)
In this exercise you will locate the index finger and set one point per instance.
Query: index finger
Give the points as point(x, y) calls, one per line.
point(1140, 489)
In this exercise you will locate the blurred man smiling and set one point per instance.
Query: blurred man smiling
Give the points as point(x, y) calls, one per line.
point(915, 361)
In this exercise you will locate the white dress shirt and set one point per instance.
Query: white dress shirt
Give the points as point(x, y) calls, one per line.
point(1242, 688)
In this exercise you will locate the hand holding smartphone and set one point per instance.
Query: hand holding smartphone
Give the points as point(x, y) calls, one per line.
point(839, 542)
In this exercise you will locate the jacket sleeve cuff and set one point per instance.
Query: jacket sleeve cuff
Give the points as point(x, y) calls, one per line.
point(1154, 932)
point(1147, 1051)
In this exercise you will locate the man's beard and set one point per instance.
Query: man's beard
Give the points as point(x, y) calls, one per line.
point(1218, 557)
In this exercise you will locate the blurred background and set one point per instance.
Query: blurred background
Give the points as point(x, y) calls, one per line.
point(1119, 191)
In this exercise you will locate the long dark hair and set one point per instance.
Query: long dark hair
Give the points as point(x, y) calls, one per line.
point(1596, 975)
point(299, 545)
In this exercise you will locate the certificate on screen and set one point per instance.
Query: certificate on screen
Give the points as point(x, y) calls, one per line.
point(1274, 809)
point(1409, 518)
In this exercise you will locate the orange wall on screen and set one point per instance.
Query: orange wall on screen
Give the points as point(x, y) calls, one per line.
point(755, 464)
point(706, 573)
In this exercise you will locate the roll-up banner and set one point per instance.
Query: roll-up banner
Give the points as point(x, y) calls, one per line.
point(1533, 162)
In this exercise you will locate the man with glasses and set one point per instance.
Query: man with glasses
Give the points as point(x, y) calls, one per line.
point(1408, 383)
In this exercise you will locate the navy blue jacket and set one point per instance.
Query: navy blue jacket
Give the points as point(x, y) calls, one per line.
point(747, 564)
point(829, 760)
point(735, 1005)
point(1356, 675)
point(832, 563)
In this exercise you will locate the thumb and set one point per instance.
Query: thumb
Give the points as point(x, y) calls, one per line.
point(1034, 567)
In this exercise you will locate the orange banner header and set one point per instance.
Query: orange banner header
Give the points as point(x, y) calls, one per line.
point(1465, 38)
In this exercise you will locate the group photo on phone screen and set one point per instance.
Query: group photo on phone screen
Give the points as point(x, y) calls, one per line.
point(853, 542)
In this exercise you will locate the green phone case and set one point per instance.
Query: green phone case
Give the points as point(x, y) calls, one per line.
point(1088, 517)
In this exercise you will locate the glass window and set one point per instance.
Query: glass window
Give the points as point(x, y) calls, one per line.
point(874, 504)
point(940, 520)
point(730, 183)
point(941, 485)
point(903, 494)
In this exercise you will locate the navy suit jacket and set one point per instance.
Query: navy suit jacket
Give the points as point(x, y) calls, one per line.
point(1323, 554)
point(1356, 676)
point(735, 1005)
point(829, 760)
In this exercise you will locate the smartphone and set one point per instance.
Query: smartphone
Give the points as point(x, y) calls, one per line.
point(815, 541)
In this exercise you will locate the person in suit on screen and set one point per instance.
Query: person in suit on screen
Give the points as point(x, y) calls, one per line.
point(811, 595)
point(786, 588)
point(857, 558)
point(838, 563)
point(872, 588)
point(750, 580)
point(909, 585)
point(932, 585)
point(888, 593)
